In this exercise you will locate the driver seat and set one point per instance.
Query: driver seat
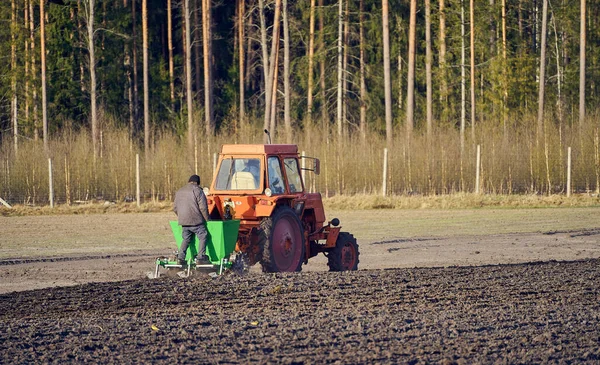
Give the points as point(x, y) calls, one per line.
point(243, 180)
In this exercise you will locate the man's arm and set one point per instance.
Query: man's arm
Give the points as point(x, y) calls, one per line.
point(203, 205)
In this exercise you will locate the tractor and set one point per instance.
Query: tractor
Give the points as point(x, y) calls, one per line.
point(260, 212)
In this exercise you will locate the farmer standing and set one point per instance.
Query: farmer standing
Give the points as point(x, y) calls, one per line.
point(192, 213)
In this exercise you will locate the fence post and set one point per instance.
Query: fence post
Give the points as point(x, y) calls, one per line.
point(7, 182)
point(477, 170)
point(50, 185)
point(569, 172)
point(385, 161)
point(137, 178)
point(3, 202)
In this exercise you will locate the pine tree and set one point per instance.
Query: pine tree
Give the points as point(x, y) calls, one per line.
point(386, 70)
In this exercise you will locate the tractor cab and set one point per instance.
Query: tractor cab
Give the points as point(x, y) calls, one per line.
point(252, 180)
point(259, 170)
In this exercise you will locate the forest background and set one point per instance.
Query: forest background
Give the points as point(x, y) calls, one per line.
point(89, 84)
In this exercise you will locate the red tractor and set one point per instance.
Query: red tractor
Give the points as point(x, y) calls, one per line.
point(281, 224)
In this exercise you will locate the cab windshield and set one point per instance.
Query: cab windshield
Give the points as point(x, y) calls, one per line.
point(238, 174)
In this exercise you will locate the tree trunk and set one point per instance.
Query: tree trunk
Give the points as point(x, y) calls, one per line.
point(250, 53)
point(410, 94)
point(442, 61)
point(387, 77)
point(472, 26)
point(26, 57)
point(265, 59)
point(535, 31)
point(400, 78)
point(324, 116)
point(206, 37)
point(286, 74)
point(520, 19)
point(102, 59)
point(145, 77)
point(80, 32)
point(13, 67)
point(558, 77)
point(339, 68)
point(188, 74)
point(135, 63)
point(250, 35)
point(128, 84)
point(345, 71)
point(130, 94)
point(241, 11)
point(463, 110)
point(504, 71)
point(43, 62)
point(183, 63)
point(363, 88)
point(196, 43)
point(492, 15)
point(92, 59)
point(33, 66)
point(542, 84)
point(273, 113)
point(311, 54)
point(272, 82)
point(428, 61)
point(170, 47)
point(582, 42)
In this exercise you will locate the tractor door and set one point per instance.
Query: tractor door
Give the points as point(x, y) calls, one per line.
point(275, 176)
point(287, 180)
point(292, 171)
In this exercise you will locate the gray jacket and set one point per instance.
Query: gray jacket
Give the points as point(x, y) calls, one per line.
point(190, 205)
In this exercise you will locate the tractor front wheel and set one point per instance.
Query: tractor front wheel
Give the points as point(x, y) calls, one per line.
point(283, 241)
point(344, 257)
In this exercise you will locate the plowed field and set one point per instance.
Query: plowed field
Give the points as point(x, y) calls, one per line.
point(464, 286)
point(521, 313)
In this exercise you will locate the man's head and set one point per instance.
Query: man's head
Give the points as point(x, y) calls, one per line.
point(194, 179)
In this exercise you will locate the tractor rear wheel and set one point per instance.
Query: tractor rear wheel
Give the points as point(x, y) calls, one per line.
point(344, 257)
point(283, 241)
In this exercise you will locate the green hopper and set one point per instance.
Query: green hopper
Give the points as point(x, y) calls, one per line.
point(220, 244)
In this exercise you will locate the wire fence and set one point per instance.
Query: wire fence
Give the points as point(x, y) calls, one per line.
point(128, 178)
point(518, 159)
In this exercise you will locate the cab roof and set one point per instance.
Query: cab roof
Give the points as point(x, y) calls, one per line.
point(260, 149)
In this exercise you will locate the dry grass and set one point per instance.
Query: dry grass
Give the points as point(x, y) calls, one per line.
point(459, 201)
point(516, 161)
point(88, 208)
point(382, 225)
point(342, 203)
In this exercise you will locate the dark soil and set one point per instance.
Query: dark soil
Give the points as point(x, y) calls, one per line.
point(525, 313)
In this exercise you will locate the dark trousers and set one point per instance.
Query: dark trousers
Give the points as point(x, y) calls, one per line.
point(188, 235)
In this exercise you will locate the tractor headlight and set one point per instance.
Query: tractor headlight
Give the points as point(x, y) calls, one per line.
point(268, 192)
